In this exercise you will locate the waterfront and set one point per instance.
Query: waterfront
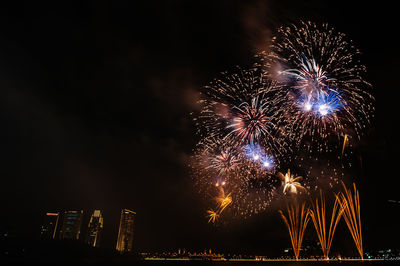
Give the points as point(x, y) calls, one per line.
point(259, 263)
point(279, 262)
point(272, 261)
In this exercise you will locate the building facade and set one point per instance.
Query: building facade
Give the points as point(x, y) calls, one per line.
point(125, 232)
point(71, 225)
point(49, 226)
point(95, 229)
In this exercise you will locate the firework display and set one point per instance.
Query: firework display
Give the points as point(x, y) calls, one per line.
point(301, 107)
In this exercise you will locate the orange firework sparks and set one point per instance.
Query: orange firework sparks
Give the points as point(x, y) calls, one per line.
point(352, 215)
point(317, 213)
point(223, 200)
point(212, 216)
point(296, 222)
point(290, 183)
point(345, 142)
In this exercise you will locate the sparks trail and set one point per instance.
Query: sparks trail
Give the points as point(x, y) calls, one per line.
point(212, 216)
point(296, 221)
point(352, 214)
point(318, 216)
point(223, 200)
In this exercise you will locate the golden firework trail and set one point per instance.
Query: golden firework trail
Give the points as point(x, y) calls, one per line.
point(223, 201)
point(212, 216)
point(345, 142)
point(318, 216)
point(290, 183)
point(352, 214)
point(296, 221)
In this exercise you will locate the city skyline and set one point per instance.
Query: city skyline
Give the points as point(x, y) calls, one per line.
point(48, 229)
point(71, 225)
point(75, 225)
point(97, 104)
point(95, 228)
point(126, 231)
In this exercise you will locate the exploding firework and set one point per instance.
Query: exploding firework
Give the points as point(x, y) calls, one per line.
point(220, 155)
point(239, 141)
point(243, 107)
point(247, 176)
point(317, 213)
point(296, 221)
point(290, 183)
point(252, 121)
point(321, 74)
point(215, 163)
point(223, 200)
point(212, 216)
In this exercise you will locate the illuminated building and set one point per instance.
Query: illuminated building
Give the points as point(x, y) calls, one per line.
point(125, 232)
point(71, 225)
point(95, 229)
point(49, 227)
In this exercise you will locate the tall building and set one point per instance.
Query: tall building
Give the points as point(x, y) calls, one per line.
point(49, 226)
point(71, 225)
point(125, 232)
point(95, 229)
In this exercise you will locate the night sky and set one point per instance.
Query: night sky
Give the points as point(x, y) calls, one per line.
point(95, 103)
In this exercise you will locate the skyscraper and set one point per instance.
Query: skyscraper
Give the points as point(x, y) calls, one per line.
point(71, 225)
point(49, 227)
point(125, 232)
point(95, 229)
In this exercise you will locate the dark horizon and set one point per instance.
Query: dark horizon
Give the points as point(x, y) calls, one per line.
point(95, 105)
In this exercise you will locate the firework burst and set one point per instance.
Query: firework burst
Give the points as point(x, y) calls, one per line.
point(320, 72)
point(243, 107)
point(212, 216)
point(290, 182)
point(250, 190)
point(246, 172)
point(223, 200)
